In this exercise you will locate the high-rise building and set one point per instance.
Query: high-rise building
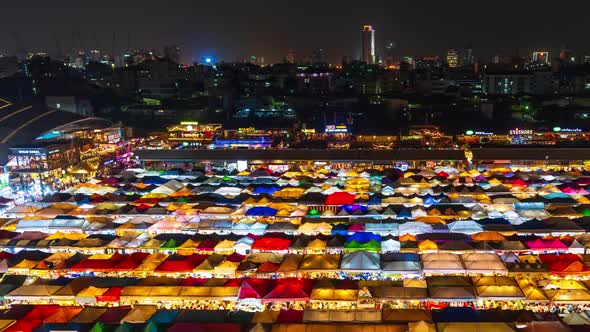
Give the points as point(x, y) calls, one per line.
point(466, 58)
point(566, 54)
point(541, 57)
point(291, 57)
point(172, 53)
point(319, 56)
point(389, 54)
point(368, 44)
point(453, 58)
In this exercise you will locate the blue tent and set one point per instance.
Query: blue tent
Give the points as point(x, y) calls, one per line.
point(83, 201)
point(265, 190)
point(340, 229)
point(374, 200)
point(352, 208)
point(164, 316)
point(154, 180)
point(172, 172)
point(363, 237)
point(261, 211)
point(258, 181)
point(404, 213)
point(429, 200)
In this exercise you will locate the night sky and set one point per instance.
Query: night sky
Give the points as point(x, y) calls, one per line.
point(228, 29)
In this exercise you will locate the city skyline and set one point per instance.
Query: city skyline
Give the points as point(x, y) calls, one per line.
point(271, 30)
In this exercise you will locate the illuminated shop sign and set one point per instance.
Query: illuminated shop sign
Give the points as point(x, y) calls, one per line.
point(336, 129)
point(479, 133)
point(29, 152)
point(521, 132)
point(567, 130)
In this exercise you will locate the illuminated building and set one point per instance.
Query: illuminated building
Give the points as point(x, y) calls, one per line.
point(453, 58)
point(566, 54)
point(193, 133)
point(368, 44)
point(541, 57)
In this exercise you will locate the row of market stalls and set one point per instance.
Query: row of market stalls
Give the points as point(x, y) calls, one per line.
point(255, 294)
point(126, 242)
point(151, 318)
point(305, 226)
point(354, 264)
point(303, 249)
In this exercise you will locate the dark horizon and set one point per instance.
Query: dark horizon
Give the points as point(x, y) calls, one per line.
point(228, 30)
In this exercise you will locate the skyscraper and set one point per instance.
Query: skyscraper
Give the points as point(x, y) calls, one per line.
point(453, 58)
point(368, 44)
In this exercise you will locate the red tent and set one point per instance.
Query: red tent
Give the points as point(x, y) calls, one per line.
point(181, 265)
point(289, 290)
point(5, 255)
point(340, 198)
point(147, 201)
point(268, 267)
point(33, 318)
point(519, 183)
point(271, 244)
point(553, 258)
point(254, 288)
point(207, 245)
point(99, 264)
point(233, 283)
point(111, 295)
point(114, 315)
point(235, 257)
point(63, 315)
point(290, 316)
point(131, 262)
point(190, 281)
point(568, 267)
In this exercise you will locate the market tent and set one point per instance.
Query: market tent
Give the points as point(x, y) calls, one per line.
point(475, 327)
point(63, 314)
point(498, 288)
point(271, 244)
point(265, 317)
point(576, 318)
point(34, 318)
point(254, 288)
point(340, 198)
point(549, 326)
point(32, 293)
point(395, 293)
point(484, 263)
point(403, 263)
point(365, 316)
point(421, 326)
point(438, 263)
point(360, 261)
point(406, 315)
point(331, 290)
point(289, 290)
point(450, 289)
point(321, 262)
point(88, 315)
